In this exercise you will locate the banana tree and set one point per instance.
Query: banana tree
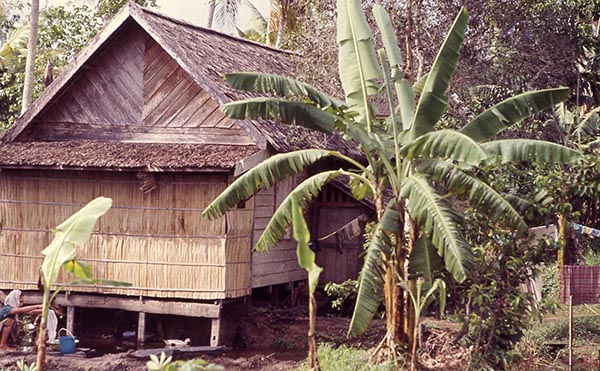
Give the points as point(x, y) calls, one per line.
point(405, 156)
point(61, 253)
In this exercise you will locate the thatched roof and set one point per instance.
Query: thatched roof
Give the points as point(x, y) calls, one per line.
point(202, 53)
point(124, 156)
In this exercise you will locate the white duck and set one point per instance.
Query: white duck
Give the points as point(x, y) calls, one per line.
point(178, 343)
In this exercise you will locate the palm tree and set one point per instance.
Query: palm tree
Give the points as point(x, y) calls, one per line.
point(420, 167)
point(15, 43)
point(31, 49)
point(224, 11)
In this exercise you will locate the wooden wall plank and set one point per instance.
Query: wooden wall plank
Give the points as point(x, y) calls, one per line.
point(108, 89)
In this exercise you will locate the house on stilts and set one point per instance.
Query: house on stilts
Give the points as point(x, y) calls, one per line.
point(135, 117)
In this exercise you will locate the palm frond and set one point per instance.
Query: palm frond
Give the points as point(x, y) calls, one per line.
point(440, 222)
point(424, 260)
point(263, 176)
point(358, 67)
point(446, 144)
point(282, 218)
point(433, 101)
point(226, 12)
point(522, 150)
point(589, 124)
point(282, 110)
point(511, 111)
point(370, 280)
point(280, 86)
point(480, 195)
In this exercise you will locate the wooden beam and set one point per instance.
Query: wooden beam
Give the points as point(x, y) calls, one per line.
point(249, 162)
point(140, 134)
point(178, 308)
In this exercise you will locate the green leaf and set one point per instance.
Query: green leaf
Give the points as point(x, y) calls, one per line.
point(511, 111)
point(589, 125)
point(433, 101)
point(424, 260)
point(306, 257)
point(446, 144)
point(521, 150)
point(282, 218)
point(370, 280)
point(388, 35)
point(281, 86)
point(69, 234)
point(480, 195)
point(358, 67)
point(286, 111)
point(263, 176)
point(79, 269)
point(440, 222)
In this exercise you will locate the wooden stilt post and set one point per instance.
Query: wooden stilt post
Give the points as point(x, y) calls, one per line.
point(215, 330)
point(71, 319)
point(141, 332)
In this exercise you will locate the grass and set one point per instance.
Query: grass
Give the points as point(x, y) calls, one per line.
point(345, 358)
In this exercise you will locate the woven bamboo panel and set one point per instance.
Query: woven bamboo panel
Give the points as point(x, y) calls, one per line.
point(157, 241)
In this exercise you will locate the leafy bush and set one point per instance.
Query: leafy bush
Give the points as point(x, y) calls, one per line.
point(500, 311)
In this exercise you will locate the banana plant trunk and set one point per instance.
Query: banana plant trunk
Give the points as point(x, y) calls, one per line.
point(565, 244)
point(313, 360)
point(43, 333)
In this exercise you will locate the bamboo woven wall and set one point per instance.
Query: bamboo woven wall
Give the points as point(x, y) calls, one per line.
point(158, 241)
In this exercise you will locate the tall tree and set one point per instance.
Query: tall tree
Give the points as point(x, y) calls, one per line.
point(31, 51)
point(224, 12)
point(421, 167)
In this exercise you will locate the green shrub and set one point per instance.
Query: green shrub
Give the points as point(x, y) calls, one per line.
point(345, 358)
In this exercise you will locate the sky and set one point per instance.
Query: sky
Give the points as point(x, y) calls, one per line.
point(194, 11)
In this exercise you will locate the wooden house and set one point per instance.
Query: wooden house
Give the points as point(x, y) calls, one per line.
point(135, 117)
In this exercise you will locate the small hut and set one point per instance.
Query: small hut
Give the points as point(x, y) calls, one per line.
point(135, 117)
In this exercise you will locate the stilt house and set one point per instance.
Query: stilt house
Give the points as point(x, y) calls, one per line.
point(135, 117)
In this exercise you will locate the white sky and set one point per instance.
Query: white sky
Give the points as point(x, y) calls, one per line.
point(194, 11)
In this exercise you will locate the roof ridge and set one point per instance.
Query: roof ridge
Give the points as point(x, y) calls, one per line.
point(209, 30)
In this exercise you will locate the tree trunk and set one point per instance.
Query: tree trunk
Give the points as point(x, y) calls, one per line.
point(282, 21)
point(212, 4)
point(313, 359)
point(31, 49)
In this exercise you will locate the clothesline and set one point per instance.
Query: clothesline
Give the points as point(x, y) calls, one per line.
point(582, 229)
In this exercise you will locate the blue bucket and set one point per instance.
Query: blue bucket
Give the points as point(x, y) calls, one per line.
point(66, 343)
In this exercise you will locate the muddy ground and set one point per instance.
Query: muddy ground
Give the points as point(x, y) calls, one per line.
point(268, 341)
point(276, 340)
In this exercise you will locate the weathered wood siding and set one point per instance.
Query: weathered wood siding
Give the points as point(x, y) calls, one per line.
point(134, 91)
point(279, 264)
point(157, 241)
point(340, 259)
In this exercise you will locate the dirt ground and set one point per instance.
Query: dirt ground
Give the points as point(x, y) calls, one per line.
point(276, 340)
point(267, 341)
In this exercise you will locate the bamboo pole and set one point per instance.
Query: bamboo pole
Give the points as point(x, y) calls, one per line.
point(570, 332)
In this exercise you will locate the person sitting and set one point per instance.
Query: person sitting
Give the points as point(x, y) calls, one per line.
point(9, 316)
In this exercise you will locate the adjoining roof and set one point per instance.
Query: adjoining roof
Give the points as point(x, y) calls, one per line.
point(123, 156)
